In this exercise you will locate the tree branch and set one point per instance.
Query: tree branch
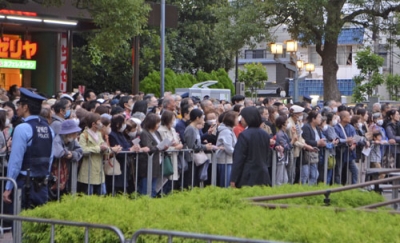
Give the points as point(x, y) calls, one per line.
point(384, 13)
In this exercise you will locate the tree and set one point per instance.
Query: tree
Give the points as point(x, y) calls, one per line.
point(253, 76)
point(117, 21)
point(318, 22)
point(393, 86)
point(151, 83)
point(196, 44)
point(112, 73)
point(369, 77)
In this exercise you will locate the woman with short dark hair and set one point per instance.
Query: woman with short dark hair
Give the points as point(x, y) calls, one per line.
point(167, 131)
point(150, 138)
point(313, 137)
point(251, 155)
point(283, 140)
point(193, 141)
point(117, 138)
point(226, 142)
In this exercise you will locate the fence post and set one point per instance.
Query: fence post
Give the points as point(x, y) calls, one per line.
point(326, 155)
point(214, 169)
point(74, 177)
point(273, 172)
point(149, 173)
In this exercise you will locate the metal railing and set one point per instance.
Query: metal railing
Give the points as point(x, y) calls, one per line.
point(177, 234)
point(52, 222)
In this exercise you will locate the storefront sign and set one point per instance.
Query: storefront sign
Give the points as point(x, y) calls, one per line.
point(11, 48)
point(63, 63)
point(16, 12)
point(21, 64)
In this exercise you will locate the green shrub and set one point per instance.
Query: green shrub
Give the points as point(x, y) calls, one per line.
point(221, 212)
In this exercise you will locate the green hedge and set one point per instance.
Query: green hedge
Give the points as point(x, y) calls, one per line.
point(222, 212)
point(172, 80)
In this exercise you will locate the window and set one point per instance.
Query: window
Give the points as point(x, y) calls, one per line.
point(255, 54)
point(313, 56)
point(383, 52)
point(344, 56)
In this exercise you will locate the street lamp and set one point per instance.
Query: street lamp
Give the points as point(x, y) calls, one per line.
point(293, 65)
point(310, 67)
point(276, 49)
point(300, 64)
point(291, 46)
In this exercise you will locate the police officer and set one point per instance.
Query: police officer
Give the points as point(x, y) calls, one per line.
point(31, 152)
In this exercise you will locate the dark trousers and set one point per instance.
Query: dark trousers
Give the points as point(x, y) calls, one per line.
point(37, 195)
point(191, 174)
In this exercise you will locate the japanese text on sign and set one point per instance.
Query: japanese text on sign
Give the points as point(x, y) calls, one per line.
point(20, 64)
point(11, 48)
point(63, 63)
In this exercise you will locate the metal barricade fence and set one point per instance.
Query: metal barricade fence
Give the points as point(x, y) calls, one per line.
point(190, 170)
point(17, 238)
point(16, 207)
point(204, 237)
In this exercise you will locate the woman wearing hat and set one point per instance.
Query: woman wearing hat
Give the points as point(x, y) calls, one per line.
point(66, 151)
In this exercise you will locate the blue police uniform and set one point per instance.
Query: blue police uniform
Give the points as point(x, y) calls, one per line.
point(31, 156)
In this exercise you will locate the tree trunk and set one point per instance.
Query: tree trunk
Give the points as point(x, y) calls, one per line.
point(330, 68)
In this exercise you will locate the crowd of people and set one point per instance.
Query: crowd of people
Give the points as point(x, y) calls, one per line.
point(240, 135)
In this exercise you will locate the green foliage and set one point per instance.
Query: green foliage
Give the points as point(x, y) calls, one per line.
point(112, 72)
point(151, 83)
point(369, 77)
point(117, 27)
point(393, 86)
point(311, 22)
point(223, 212)
point(254, 75)
point(196, 43)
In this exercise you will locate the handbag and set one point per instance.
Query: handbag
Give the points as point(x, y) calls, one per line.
point(311, 157)
point(331, 162)
point(112, 167)
point(167, 166)
point(200, 158)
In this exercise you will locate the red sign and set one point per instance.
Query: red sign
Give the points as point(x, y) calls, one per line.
point(15, 12)
point(63, 63)
point(14, 47)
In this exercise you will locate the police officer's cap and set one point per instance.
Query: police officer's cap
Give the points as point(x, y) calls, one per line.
point(307, 98)
point(28, 96)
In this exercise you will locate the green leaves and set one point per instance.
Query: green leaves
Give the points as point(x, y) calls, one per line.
point(254, 75)
point(151, 83)
point(119, 21)
point(221, 211)
point(369, 78)
point(393, 86)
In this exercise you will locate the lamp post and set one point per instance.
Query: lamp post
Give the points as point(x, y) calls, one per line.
point(293, 65)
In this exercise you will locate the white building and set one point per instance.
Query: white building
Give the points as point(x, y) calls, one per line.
point(349, 42)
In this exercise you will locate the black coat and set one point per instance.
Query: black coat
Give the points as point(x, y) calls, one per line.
point(309, 135)
point(251, 158)
point(147, 140)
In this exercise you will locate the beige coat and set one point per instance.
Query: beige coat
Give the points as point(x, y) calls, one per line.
point(173, 136)
point(94, 160)
point(300, 143)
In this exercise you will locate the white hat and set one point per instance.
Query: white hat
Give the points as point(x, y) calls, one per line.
point(296, 109)
point(136, 120)
point(66, 96)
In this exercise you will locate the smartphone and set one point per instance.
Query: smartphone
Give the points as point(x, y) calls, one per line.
point(316, 149)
